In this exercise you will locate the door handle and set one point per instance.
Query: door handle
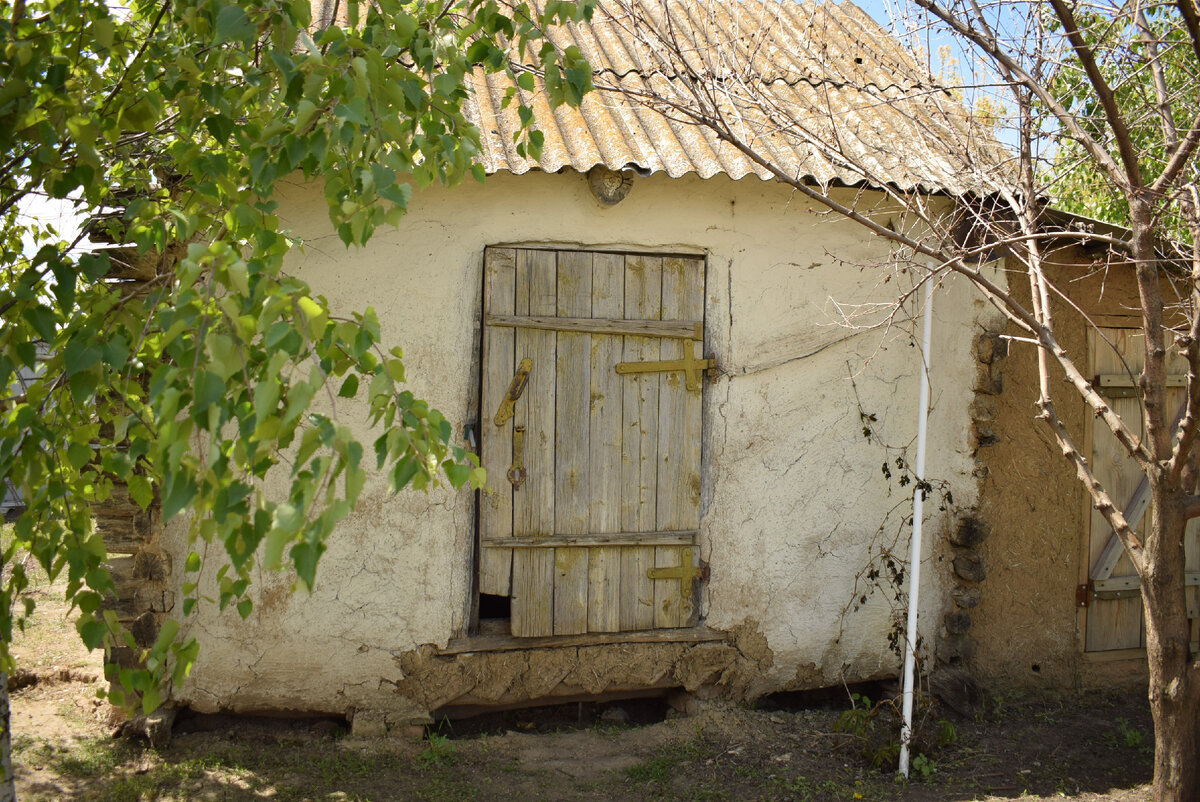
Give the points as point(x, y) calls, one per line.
point(515, 388)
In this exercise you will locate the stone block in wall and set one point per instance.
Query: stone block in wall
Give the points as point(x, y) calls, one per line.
point(953, 649)
point(966, 597)
point(969, 566)
point(989, 380)
point(144, 629)
point(968, 532)
point(957, 622)
point(122, 657)
point(151, 566)
point(989, 347)
point(982, 410)
point(134, 598)
point(124, 534)
point(981, 437)
point(957, 690)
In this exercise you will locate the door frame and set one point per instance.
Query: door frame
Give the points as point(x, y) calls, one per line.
point(478, 423)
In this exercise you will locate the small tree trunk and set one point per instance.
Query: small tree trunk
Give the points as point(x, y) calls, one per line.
point(1174, 676)
point(8, 792)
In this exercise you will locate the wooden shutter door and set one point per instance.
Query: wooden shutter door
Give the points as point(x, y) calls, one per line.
point(1114, 613)
point(599, 534)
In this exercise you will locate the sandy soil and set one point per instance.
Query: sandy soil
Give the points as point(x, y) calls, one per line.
point(1085, 748)
point(1094, 748)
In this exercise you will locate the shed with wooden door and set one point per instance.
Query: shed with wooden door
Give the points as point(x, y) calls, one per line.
point(639, 332)
point(1060, 607)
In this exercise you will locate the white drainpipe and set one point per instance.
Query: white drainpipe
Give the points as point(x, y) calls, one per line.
point(914, 550)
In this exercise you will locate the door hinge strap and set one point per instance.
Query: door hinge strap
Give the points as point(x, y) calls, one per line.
point(689, 365)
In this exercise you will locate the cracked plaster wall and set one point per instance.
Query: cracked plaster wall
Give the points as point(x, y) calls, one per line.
point(791, 493)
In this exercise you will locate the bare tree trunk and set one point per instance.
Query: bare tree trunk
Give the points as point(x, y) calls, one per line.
point(1174, 674)
point(8, 792)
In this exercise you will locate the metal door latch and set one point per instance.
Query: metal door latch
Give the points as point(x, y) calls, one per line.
point(516, 474)
point(515, 388)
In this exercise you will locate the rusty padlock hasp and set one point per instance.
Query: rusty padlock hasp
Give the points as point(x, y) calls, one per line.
point(516, 474)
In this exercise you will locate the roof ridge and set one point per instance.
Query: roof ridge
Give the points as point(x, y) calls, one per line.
point(814, 82)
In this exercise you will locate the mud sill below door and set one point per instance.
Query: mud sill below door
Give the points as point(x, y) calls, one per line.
point(505, 643)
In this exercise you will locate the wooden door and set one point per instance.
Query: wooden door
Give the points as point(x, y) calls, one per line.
point(1114, 613)
point(591, 518)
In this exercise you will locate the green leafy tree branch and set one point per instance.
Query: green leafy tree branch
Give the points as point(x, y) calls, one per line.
point(188, 364)
point(1148, 59)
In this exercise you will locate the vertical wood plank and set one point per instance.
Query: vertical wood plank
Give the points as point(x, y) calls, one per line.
point(1115, 623)
point(496, 513)
point(533, 503)
point(679, 421)
point(604, 457)
point(572, 477)
point(666, 591)
point(639, 443)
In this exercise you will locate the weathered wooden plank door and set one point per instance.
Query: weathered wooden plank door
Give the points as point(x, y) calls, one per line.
point(591, 520)
point(1114, 613)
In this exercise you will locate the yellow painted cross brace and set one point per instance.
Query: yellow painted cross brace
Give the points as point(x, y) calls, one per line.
point(690, 366)
point(685, 572)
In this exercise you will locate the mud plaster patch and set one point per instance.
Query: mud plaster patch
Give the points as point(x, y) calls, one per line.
point(808, 675)
point(1026, 613)
point(705, 665)
point(730, 670)
point(752, 643)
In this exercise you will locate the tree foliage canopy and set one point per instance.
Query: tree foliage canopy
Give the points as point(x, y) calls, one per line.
point(1147, 58)
point(187, 364)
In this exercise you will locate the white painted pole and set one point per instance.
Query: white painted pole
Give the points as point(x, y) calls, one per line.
point(914, 549)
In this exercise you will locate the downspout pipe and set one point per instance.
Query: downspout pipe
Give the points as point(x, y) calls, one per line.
point(914, 549)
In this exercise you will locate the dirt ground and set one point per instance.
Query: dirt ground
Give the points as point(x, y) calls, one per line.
point(1086, 748)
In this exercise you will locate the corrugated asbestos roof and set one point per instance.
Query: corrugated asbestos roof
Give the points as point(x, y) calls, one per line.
point(819, 88)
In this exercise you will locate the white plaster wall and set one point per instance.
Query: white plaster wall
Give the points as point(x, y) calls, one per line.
point(792, 493)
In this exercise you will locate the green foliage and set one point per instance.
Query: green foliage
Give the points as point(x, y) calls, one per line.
point(661, 767)
point(657, 769)
point(172, 124)
point(924, 767)
point(1125, 54)
point(1127, 736)
point(440, 752)
point(873, 731)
